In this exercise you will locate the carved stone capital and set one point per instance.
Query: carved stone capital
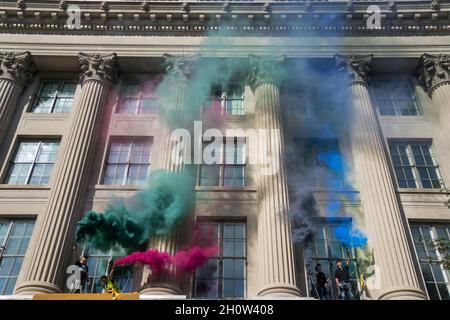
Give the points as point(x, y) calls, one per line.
point(354, 68)
point(180, 67)
point(433, 71)
point(266, 69)
point(98, 67)
point(17, 67)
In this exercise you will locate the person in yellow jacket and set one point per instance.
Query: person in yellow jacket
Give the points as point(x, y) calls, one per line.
point(109, 285)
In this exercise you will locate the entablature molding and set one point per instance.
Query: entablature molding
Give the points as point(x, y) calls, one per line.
point(241, 17)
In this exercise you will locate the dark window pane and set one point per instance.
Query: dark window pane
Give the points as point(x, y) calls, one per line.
point(228, 268)
point(432, 291)
point(228, 231)
point(228, 248)
point(228, 289)
point(239, 288)
point(426, 271)
point(443, 290)
point(239, 268)
point(239, 248)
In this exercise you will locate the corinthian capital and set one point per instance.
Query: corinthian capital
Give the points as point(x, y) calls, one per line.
point(16, 67)
point(434, 71)
point(180, 67)
point(354, 68)
point(98, 67)
point(266, 69)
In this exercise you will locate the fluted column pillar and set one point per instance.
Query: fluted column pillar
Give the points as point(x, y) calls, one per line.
point(386, 231)
point(176, 115)
point(15, 71)
point(275, 248)
point(44, 270)
point(434, 75)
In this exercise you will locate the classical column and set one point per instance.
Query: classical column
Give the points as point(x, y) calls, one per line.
point(386, 231)
point(434, 75)
point(44, 270)
point(275, 248)
point(176, 115)
point(15, 71)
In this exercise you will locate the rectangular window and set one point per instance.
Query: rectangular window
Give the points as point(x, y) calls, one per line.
point(430, 258)
point(136, 99)
point(415, 165)
point(230, 98)
point(323, 156)
point(128, 162)
point(99, 264)
point(33, 162)
point(230, 171)
point(224, 276)
point(395, 98)
point(15, 236)
point(55, 96)
point(326, 249)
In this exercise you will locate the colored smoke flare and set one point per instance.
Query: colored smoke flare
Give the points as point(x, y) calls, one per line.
point(156, 260)
point(349, 237)
point(187, 260)
point(152, 211)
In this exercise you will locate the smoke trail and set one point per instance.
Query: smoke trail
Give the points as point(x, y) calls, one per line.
point(321, 124)
point(350, 238)
point(152, 211)
point(303, 214)
point(154, 259)
point(187, 260)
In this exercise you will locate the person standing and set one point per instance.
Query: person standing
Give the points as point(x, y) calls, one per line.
point(342, 278)
point(81, 263)
point(321, 281)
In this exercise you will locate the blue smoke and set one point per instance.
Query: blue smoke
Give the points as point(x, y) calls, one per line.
point(350, 238)
point(333, 161)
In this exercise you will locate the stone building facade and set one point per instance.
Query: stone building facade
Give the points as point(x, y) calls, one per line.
point(78, 127)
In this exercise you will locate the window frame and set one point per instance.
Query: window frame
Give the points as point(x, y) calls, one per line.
point(311, 145)
point(393, 100)
point(412, 163)
point(57, 95)
point(128, 164)
point(220, 257)
point(3, 246)
point(224, 99)
point(33, 163)
point(222, 166)
point(94, 279)
point(140, 98)
point(433, 235)
point(328, 242)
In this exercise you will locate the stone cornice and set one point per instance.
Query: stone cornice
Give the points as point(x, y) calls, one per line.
point(265, 69)
point(354, 68)
point(241, 17)
point(434, 71)
point(16, 67)
point(98, 67)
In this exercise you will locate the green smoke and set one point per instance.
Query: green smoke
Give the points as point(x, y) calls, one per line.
point(130, 223)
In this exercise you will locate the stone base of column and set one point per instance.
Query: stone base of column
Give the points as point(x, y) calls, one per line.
point(160, 289)
point(33, 287)
point(402, 293)
point(280, 290)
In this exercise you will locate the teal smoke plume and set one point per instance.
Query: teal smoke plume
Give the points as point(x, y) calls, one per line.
point(130, 223)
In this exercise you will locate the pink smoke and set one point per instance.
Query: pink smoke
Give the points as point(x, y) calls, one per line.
point(156, 260)
point(189, 260)
point(213, 115)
